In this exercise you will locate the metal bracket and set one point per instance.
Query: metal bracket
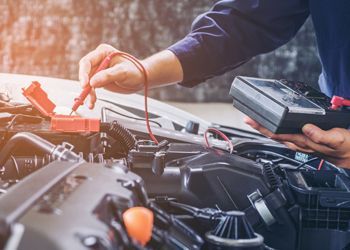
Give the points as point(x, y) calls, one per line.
point(67, 146)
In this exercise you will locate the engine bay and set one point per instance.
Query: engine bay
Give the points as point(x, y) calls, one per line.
point(72, 190)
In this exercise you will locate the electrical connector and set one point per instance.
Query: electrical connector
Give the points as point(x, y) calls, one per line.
point(339, 102)
point(61, 123)
point(66, 123)
point(39, 99)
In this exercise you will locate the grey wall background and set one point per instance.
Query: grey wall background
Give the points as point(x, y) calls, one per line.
point(48, 37)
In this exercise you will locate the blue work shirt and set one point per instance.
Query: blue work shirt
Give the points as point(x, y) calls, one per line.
point(234, 31)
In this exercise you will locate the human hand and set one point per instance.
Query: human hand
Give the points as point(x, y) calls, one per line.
point(333, 145)
point(121, 76)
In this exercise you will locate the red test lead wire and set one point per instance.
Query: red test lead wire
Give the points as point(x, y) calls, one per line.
point(143, 70)
point(218, 132)
point(320, 165)
point(104, 64)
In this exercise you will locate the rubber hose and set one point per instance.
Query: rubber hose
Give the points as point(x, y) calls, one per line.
point(27, 139)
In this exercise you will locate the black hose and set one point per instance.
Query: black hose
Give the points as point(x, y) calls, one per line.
point(28, 139)
point(120, 133)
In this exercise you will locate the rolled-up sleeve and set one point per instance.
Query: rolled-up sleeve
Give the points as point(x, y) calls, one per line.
point(233, 32)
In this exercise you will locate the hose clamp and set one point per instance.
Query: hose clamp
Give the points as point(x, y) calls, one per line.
point(257, 201)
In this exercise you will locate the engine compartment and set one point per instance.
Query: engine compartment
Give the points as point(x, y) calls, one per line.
point(70, 190)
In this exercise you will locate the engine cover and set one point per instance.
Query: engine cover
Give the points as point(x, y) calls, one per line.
point(78, 206)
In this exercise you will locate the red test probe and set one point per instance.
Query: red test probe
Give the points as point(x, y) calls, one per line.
point(81, 98)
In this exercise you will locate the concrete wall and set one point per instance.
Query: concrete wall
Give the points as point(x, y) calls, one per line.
point(48, 37)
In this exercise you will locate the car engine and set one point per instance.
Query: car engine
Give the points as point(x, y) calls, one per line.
point(116, 189)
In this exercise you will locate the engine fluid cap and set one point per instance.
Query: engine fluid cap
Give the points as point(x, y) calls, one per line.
point(138, 222)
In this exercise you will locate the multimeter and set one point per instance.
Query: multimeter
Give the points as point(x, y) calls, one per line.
point(284, 106)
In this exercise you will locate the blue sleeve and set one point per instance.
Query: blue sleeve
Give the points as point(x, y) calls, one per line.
point(233, 32)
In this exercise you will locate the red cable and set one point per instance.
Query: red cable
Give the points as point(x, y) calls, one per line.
point(143, 70)
point(223, 136)
point(104, 64)
point(320, 165)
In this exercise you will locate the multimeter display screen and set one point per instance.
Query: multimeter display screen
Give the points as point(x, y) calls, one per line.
point(295, 102)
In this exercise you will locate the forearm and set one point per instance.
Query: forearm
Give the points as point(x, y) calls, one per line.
point(163, 68)
point(233, 32)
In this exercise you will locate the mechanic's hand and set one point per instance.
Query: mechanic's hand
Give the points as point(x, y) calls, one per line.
point(333, 145)
point(122, 76)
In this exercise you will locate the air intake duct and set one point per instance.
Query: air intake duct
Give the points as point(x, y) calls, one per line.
point(234, 232)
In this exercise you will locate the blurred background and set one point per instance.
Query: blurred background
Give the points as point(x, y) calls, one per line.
point(48, 37)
